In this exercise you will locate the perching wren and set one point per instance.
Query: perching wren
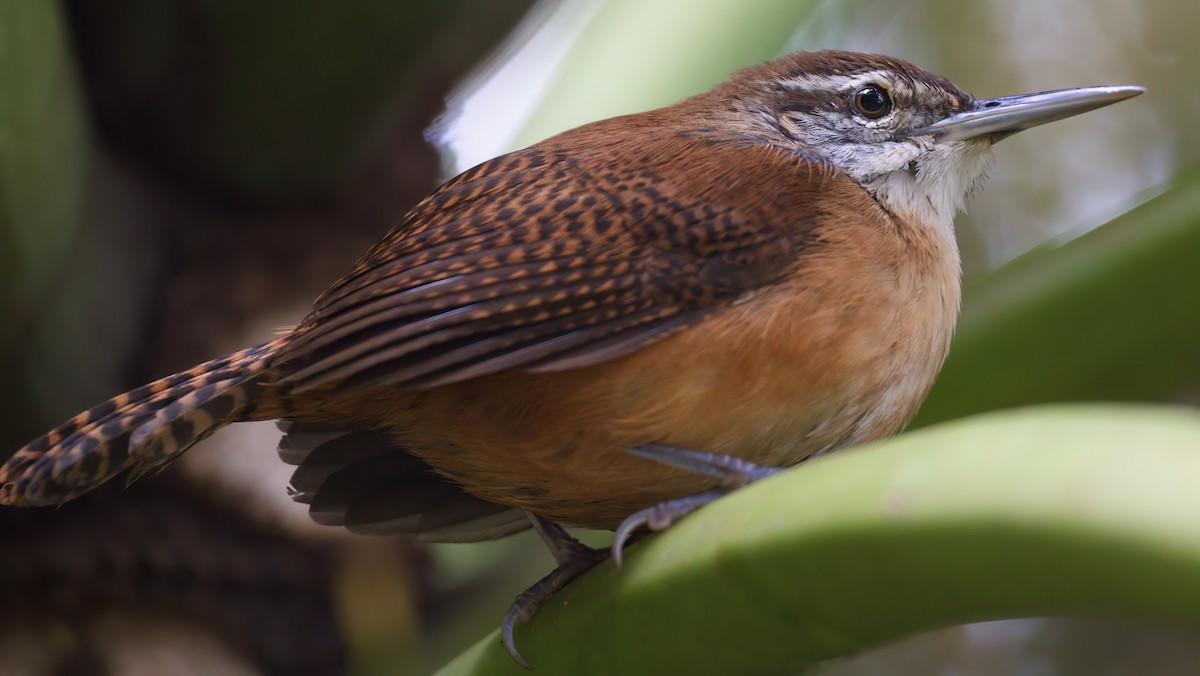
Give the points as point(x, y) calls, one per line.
point(766, 271)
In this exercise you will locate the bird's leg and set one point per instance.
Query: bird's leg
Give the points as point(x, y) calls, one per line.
point(732, 473)
point(574, 559)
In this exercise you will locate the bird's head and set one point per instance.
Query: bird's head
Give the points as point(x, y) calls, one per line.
point(917, 142)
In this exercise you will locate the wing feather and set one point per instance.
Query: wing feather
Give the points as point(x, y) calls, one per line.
point(541, 261)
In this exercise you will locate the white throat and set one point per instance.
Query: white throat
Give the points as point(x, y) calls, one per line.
point(935, 184)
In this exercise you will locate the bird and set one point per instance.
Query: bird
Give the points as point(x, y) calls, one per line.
point(614, 326)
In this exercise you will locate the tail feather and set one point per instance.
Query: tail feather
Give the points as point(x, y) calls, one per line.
point(139, 430)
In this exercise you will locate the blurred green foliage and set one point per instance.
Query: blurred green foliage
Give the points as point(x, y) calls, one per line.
point(44, 152)
point(1110, 315)
point(285, 98)
point(43, 155)
point(633, 56)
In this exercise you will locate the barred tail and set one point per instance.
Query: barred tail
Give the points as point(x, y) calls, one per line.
point(140, 430)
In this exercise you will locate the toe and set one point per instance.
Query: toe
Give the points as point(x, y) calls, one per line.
point(658, 518)
point(731, 471)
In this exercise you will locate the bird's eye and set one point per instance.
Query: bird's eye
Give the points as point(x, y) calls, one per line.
point(872, 102)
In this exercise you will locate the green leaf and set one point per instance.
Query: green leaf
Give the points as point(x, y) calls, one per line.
point(43, 157)
point(634, 56)
point(1109, 315)
point(45, 154)
point(1059, 510)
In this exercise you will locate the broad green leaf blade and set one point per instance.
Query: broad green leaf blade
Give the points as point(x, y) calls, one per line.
point(45, 154)
point(634, 56)
point(1061, 510)
point(1109, 315)
point(43, 157)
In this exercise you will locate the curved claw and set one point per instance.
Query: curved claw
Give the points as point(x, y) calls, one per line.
point(507, 626)
point(626, 529)
point(658, 518)
point(574, 559)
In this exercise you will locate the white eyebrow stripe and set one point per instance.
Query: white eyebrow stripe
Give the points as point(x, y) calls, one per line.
point(845, 83)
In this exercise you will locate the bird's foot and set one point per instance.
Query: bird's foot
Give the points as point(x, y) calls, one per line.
point(732, 473)
point(574, 559)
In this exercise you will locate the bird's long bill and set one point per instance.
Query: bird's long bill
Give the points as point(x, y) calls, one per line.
point(1011, 114)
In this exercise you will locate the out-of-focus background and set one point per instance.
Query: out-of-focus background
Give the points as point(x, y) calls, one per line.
point(180, 177)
